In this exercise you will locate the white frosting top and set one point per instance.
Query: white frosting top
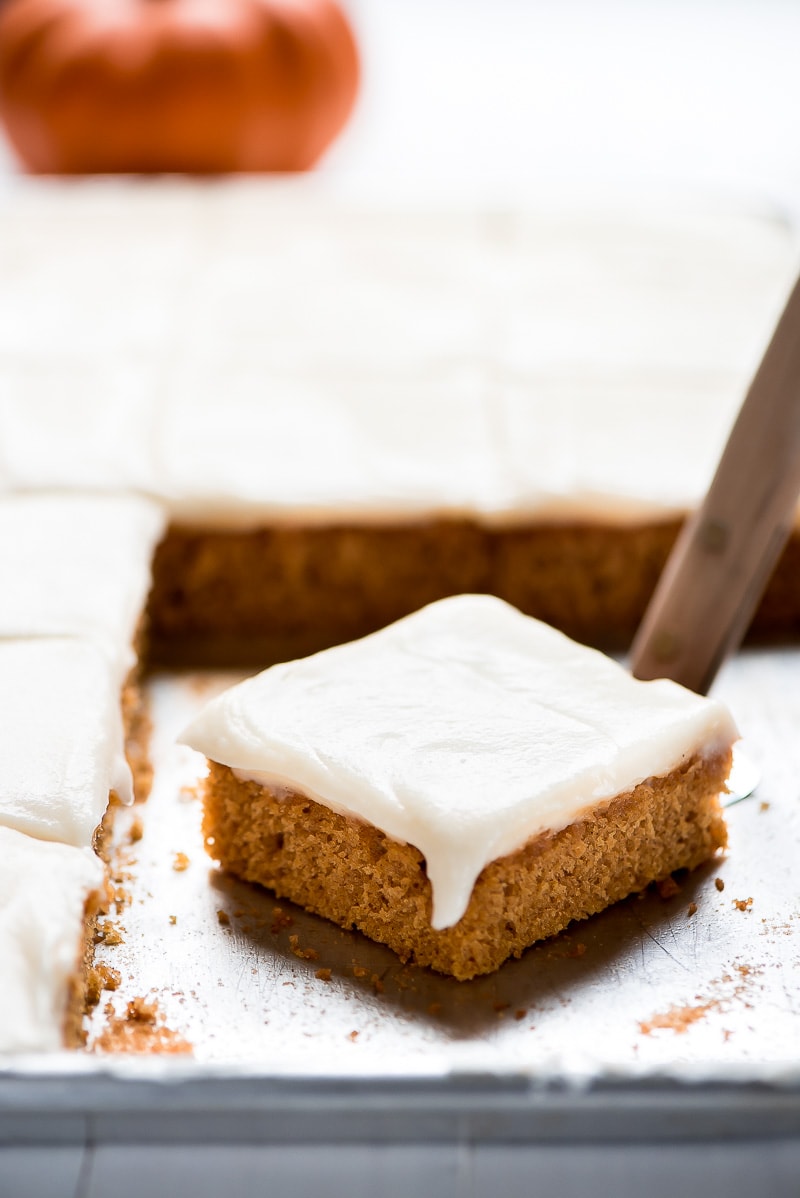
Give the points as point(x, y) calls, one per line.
point(75, 564)
point(465, 730)
point(366, 452)
point(255, 351)
point(43, 892)
point(76, 570)
point(61, 737)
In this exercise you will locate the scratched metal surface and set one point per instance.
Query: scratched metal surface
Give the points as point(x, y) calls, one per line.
point(651, 987)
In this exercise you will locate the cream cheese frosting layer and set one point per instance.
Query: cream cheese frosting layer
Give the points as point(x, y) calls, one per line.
point(82, 420)
point(44, 889)
point(255, 351)
point(61, 738)
point(465, 729)
point(371, 452)
point(77, 564)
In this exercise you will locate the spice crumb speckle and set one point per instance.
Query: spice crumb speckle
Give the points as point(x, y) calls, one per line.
point(304, 954)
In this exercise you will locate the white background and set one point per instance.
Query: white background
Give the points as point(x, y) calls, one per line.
point(506, 98)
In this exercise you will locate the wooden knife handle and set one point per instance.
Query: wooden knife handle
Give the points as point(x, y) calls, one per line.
point(725, 553)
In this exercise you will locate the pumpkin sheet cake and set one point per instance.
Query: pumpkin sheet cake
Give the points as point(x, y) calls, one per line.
point(244, 423)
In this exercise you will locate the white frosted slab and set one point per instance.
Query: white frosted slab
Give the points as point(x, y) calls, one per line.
point(323, 451)
point(61, 738)
point(77, 564)
point(43, 892)
point(465, 729)
point(256, 350)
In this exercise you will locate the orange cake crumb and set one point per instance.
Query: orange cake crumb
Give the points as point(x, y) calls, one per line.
point(355, 875)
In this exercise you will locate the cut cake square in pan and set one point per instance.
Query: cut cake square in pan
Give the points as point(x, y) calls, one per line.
point(62, 741)
point(461, 784)
point(49, 894)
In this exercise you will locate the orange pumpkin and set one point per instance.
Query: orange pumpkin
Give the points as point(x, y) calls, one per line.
point(202, 86)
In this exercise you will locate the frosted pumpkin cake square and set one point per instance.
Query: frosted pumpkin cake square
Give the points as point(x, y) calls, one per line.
point(462, 783)
point(49, 894)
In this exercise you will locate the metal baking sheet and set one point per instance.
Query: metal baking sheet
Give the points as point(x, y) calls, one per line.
point(670, 1015)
